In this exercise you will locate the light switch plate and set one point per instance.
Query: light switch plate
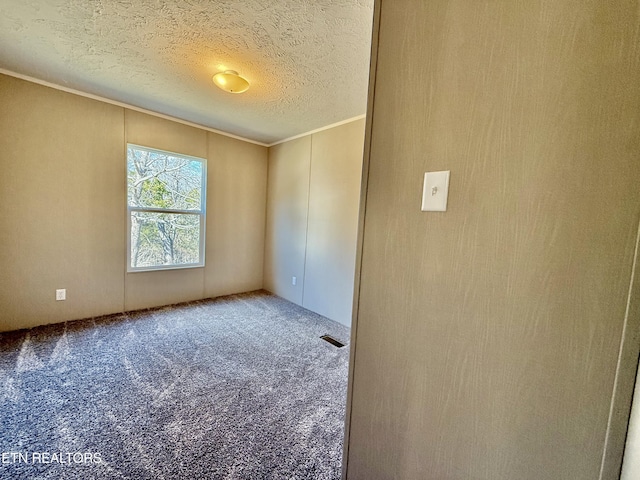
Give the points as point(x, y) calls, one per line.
point(435, 191)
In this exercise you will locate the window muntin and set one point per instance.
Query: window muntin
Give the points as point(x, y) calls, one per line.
point(166, 208)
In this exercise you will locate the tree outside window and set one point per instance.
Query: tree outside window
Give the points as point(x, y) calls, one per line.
point(166, 199)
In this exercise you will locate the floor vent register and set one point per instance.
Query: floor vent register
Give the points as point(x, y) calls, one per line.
point(332, 341)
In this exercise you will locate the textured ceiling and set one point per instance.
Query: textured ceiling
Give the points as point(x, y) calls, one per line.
point(307, 60)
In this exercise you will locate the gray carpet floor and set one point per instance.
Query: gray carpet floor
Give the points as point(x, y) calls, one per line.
point(238, 387)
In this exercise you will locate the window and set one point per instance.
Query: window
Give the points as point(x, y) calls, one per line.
point(166, 202)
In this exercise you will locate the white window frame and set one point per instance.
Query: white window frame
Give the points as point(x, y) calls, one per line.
point(202, 212)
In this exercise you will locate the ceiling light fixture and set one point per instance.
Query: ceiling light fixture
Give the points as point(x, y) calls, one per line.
point(230, 81)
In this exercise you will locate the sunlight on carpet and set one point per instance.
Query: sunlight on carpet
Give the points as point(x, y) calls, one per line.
point(238, 387)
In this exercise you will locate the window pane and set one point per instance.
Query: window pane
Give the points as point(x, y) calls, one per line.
point(164, 239)
point(163, 180)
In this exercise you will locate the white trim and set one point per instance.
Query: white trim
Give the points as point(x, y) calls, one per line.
point(327, 127)
point(169, 117)
point(126, 105)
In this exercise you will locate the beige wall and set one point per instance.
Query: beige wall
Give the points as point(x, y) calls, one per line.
point(62, 203)
point(487, 337)
point(631, 465)
point(334, 198)
point(287, 209)
point(236, 212)
point(149, 289)
point(64, 214)
point(312, 214)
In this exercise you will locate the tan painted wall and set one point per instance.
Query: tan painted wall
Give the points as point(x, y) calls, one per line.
point(64, 214)
point(287, 210)
point(334, 198)
point(236, 215)
point(487, 336)
point(312, 215)
point(631, 465)
point(62, 201)
point(149, 289)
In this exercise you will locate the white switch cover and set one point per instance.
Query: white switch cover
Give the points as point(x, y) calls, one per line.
point(294, 280)
point(435, 191)
point(61, 294)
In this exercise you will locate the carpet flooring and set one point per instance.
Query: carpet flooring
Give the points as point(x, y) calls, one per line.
point(237, 387)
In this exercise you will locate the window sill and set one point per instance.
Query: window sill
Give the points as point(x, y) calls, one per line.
point(162, 268)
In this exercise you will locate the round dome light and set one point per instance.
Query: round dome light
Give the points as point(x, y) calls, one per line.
point(230, 81)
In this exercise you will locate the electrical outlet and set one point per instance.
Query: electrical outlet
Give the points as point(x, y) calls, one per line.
point(294, 280)
point(61, 294)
